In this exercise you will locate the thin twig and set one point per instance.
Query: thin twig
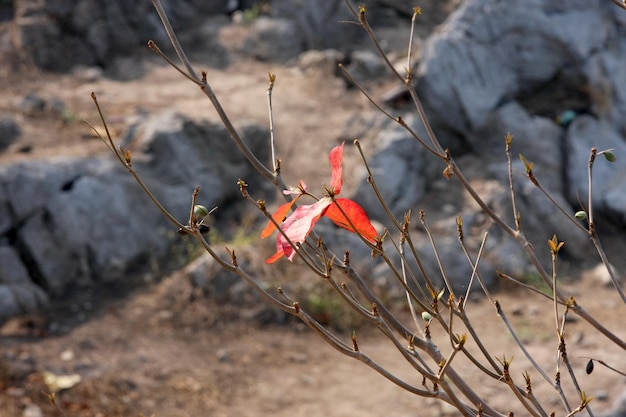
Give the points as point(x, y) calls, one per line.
point(398, 119)
point(568, 365)
point(555, 303)
point(409, 65)
point(153, 46)
point(433, 245)
point(475, 267)
point(372, 182)
point(125, 160)
point(208, 91)
point(174, 39)
point(519, 343)
point(592, 158)
point(621, 4)
point(409, 299)
point(508, 139)
point(423, 303)
point(270, 89)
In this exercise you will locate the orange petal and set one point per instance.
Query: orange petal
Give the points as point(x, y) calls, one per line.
point(357, 217)
point(279, 216)
point(274, 257)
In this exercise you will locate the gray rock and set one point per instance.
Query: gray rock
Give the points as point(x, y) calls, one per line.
point(273, 40)
point(81, 221)
point(9, 306)
point(494, 67)
point(55, 262)
point(340, 240)
point(456, 267)
point(539, 217)
point(5, 214)
point(176, 150)
point(9, 131)
point(12, 269)
point(400, 170)
point(607, 84)
point(614, 198)
point(30, 298)
point(19, 299)
point(318, 23)
point(488, 52)
point(58, 36)
point(366, 65)
point(125, 68)
point(539, 139)
point(32, 105)
point(322, 62)
point(203, 43)
point(584, 133)
point(220, 285)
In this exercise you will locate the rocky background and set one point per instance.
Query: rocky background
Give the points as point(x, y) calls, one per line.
point(549, 73)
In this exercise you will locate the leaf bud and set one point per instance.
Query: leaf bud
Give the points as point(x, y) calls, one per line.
point(200, 211)
point(609, 156)
point(580, 215)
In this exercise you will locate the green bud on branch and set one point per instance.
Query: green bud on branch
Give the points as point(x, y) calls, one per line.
point(580, 215)
point(609, 156)
point(200, 211)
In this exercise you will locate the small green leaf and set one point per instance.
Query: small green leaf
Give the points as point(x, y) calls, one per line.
point(609, 156)
point(580, 215)
point(426, 316)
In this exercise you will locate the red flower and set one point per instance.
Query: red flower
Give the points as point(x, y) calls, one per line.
point(300, 223)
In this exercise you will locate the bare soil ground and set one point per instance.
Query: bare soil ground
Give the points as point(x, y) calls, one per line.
point(163, 351)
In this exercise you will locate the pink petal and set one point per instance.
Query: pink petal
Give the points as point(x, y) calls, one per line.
point(336, 157)
point(297, 191)
point(298, 226)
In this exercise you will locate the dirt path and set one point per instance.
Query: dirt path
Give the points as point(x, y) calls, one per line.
point(161, 353)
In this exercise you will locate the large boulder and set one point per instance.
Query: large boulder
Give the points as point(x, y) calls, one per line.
point(58, 35)
point(318, 23)
point(72, 222)
point(488, 53)
point(497, 67)
point(274, 40)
